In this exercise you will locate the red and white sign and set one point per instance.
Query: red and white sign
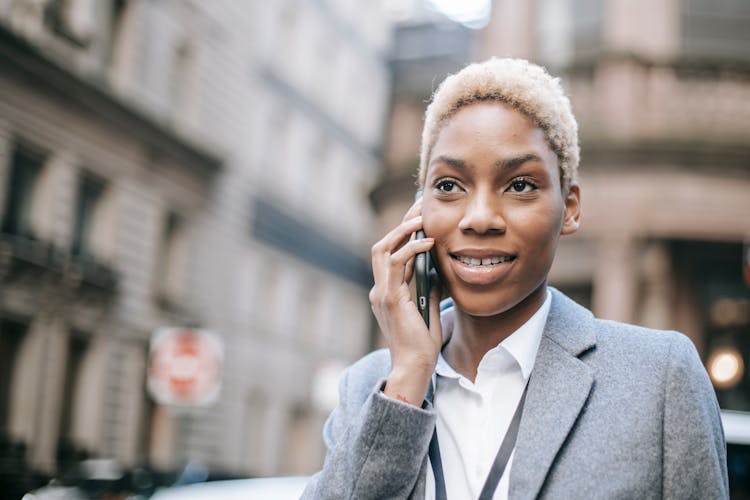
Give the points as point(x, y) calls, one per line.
point(185, 366)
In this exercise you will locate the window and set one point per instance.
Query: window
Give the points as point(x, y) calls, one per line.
point(554, 31)
point(117, 27)
point(25, 168)
point(11, 335)
point(73, 20)
point(90, 191)
point(715, 29)
point(588, 24)
point(182, 82)
point(713, 308)
point(126, 43)
point(68, 450)
point(172, 259)
point(568, 30)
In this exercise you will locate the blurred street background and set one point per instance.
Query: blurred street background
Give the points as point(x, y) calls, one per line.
point(189, 191)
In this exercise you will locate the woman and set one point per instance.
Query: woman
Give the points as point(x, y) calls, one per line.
point(516, 391)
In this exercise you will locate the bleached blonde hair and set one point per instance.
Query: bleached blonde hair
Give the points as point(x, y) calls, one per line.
point(522, 85)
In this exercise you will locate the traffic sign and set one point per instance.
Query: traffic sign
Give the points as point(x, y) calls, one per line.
point(185, 366)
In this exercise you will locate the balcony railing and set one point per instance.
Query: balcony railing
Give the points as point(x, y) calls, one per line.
point(627, 100)
point(19, 253)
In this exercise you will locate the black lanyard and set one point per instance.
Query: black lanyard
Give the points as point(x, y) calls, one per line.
point(498, 466)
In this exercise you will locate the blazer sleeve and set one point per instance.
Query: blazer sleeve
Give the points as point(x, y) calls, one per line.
point(694, 457)
point(375, 449)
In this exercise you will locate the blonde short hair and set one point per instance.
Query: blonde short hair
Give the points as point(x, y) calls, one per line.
point(524, 86)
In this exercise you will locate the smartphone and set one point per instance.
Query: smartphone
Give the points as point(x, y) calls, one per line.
point(422, 267)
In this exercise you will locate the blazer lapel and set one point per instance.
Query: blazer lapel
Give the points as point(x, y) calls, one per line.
point(558, 389)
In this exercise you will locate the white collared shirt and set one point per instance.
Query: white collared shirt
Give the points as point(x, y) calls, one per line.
point(473, 417)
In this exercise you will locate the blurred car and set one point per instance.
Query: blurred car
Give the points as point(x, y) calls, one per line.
point(96, 479)
point(737, 433)
point(266, 488)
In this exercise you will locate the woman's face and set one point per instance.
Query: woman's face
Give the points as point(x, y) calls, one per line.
point(494, 205)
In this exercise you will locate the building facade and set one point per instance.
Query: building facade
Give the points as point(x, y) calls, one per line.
point(183, 164)
point(660, 91)
point(308, 149)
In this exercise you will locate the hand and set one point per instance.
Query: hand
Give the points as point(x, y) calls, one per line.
point(414, 348)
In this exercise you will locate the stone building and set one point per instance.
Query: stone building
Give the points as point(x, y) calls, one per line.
point(185, 164)
point(315, 99)
point(662, 96)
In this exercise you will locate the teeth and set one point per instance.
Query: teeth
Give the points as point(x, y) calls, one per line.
point(489, 261)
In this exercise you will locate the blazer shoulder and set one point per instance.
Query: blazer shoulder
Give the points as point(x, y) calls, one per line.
point(647, 346)
point(578, 331)
point(639, 336)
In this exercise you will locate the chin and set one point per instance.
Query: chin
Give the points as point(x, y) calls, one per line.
point(491, 302)
point(483, 304)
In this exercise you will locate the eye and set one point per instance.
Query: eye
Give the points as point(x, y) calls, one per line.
point(521, 186)
point(447, 186)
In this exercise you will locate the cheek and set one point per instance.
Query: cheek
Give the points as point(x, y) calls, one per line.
point(541, 225)
point(438, 221)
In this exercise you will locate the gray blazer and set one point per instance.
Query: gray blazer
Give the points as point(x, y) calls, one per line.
point(612, 411)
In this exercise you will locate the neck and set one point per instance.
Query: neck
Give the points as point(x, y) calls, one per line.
point(474, 335)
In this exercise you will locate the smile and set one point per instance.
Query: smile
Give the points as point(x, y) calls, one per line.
point(485, 261)
point(481, 267)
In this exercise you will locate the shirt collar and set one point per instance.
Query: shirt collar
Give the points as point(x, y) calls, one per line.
point(522, 344)
point(443, 369)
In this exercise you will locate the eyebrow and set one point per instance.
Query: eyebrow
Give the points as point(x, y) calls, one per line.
point(505, 164)
point(511, 163)
point(451, 162)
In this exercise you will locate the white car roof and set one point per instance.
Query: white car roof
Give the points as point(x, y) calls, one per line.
point(271, 488)
point(736, 426)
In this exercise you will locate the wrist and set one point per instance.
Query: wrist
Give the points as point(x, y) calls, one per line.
point(408, 386)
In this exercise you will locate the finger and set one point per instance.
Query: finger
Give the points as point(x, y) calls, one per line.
point(414, 210)
point(409, 270)
point(399, 259)
point(399, 235)
point(390, 243)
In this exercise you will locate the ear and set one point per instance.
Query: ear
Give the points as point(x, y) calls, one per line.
point(572, 214)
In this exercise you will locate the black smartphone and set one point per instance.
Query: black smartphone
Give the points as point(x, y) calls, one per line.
point(422, 267)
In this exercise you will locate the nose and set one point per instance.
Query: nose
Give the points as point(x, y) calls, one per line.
point(483, 214)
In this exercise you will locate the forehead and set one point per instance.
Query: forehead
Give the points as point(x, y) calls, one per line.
point(490, 127)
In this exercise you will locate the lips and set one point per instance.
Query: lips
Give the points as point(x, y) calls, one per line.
point(481, 267)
